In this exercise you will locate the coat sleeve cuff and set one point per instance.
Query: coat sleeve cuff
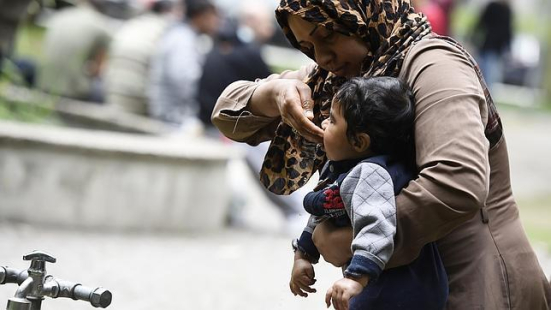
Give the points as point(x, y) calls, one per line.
point(361, 265)
point(306, 246)
point(234, 120)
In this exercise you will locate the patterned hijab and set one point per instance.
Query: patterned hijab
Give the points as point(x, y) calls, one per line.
point(388, 27)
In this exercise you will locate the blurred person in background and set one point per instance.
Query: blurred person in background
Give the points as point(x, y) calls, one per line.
point(492, 38)
point(74, 52)
point(434, 13)
point(447, 7)
point(236, 54)
point(127, 72)
point(177, 66)
point(11, 14)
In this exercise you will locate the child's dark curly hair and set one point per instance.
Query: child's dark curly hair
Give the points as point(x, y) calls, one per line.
point(382, 107)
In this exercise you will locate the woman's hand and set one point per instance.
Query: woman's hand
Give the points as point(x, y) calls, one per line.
point(333, 243)
point(291, 99)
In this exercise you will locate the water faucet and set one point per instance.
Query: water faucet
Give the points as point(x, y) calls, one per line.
point(35, 284)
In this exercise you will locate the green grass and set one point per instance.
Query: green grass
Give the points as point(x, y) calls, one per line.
point(535, 214)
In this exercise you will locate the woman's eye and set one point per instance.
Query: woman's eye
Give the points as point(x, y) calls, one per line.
point(305, 49)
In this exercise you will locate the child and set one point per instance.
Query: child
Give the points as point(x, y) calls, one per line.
point(368, 139)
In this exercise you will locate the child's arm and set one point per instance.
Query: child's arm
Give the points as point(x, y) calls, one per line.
point(302, 275)
point(368, 196)
point(325, 202)
point(306, 254)
point(305, 244)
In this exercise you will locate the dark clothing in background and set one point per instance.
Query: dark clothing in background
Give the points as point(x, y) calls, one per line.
point(11, 13)
point(492, 39)
point(495, 25)
point(224, 65)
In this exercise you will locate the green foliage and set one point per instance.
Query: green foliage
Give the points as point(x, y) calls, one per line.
point(535, 213)
point(29, 41)
point(463, 21)
point(31, 111)
point(26, 113)
point(28, 108)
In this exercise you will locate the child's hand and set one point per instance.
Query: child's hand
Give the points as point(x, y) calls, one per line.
point(302, 277)
point(341, 292)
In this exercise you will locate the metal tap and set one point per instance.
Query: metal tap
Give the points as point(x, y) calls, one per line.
point(35, 284)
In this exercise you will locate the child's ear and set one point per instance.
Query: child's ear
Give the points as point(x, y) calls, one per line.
point(362, 142)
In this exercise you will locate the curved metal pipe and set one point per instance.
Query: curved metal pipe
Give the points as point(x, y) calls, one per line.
point(24, 288)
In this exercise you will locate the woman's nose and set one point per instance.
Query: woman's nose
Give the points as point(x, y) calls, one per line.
point(324, 57)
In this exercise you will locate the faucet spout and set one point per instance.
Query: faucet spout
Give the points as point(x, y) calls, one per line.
point(24, 288)
point(19, 301)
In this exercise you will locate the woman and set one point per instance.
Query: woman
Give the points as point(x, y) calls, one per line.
point(462, 198)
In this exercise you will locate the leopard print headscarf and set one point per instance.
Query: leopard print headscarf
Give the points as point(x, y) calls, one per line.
point(389, 28)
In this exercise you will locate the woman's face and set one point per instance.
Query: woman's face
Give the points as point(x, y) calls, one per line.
point(334, 52)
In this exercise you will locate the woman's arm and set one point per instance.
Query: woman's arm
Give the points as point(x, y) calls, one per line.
point(452, 157)
point(232, 117)
point(333, 242)
point(250, 111)
point(451, 149)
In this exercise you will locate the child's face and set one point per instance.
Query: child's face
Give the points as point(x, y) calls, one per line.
point(335, 142)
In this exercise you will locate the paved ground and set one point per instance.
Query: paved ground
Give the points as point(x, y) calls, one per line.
point(231, 269)
point(228, 270)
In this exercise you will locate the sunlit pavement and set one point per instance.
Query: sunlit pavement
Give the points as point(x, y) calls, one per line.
point(227, 270)
point(230, 269)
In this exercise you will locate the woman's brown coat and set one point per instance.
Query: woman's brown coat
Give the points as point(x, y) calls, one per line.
point(462, 197)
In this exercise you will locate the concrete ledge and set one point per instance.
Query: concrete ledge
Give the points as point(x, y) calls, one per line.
point(81, 114)
point(77, 178)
